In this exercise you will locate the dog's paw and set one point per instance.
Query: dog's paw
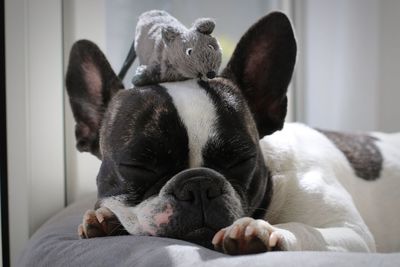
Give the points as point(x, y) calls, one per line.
point(100, 222)
point(247, 236)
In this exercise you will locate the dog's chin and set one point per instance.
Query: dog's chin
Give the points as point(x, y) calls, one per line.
point(201, 236)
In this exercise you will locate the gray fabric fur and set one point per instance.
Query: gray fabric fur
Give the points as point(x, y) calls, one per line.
point(162, 45)
point(57, 243)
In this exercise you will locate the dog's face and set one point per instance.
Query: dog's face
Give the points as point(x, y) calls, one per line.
point(182, 159)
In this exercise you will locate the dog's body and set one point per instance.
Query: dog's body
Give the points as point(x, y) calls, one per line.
point(184, 159)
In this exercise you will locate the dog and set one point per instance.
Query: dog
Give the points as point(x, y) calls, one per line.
point(212, 162)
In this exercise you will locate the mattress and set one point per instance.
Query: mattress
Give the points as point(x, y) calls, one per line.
point(56, 243)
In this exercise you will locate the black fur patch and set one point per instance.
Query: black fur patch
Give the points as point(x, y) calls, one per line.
point(144, 144)
point(361, 151)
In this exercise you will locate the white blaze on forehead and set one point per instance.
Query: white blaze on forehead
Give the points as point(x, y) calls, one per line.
point(197, 113)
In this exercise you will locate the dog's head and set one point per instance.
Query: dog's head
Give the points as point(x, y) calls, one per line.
point(182, 159)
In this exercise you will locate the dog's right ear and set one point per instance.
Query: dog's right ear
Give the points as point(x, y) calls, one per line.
point(262, 66)
point(91, 83)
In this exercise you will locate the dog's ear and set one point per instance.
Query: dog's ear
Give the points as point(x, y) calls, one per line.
point(262, 66)
point(91, 83)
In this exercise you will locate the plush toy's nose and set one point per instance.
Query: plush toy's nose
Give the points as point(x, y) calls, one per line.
point(210, 74)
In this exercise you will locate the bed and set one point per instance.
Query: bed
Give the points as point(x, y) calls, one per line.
point(56, 243)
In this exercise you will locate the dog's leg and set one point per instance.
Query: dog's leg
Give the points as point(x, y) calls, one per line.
point(247, 236)
point(342, 237)
point(100, 222)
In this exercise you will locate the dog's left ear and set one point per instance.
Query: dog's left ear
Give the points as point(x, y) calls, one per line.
point(91, 83)
point(262, 66)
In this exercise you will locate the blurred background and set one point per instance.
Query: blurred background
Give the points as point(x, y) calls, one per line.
point(346, 78)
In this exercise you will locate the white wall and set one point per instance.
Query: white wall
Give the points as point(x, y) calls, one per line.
point(341, 55)
point(81, 168)
point(34, 115)
point(389, 69)
point(350, 51)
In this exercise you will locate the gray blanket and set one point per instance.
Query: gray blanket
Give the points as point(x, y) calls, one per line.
point(56, 243)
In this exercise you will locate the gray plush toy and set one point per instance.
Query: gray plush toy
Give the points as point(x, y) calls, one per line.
point(168, 51)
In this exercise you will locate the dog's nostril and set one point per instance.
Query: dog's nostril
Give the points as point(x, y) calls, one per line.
point(185, 195)
point(213, 192)
point(210, 74)
point(197, 191)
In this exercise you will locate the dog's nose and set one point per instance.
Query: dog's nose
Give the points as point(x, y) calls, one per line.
point(198, 190)
point(210, 74)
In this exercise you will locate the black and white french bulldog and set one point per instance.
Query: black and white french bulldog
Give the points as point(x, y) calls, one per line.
point(185, 160)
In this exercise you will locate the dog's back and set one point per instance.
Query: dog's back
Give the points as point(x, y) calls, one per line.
point(378, 200)
point(366, 165)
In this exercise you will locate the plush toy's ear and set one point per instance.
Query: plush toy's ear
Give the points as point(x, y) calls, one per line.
point(91, 83)
point(262, 66)
point(169, 34)
point(204, 25)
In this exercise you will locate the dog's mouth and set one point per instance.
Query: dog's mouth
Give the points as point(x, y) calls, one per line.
point(204, 231)
point(201, 236)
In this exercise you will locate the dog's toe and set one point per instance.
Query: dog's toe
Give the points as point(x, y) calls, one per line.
point(81, 231)
point(261, 231)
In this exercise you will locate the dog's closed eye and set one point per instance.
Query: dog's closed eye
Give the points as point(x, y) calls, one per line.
point(128, 169)
point(240, 162)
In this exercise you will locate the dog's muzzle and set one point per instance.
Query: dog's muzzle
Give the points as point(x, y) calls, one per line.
point(204, 202)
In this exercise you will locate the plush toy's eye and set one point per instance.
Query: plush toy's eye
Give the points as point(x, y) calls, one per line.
point(189, 51)
point(212, 47)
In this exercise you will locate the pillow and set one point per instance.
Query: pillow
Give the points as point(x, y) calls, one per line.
point(56, 243)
